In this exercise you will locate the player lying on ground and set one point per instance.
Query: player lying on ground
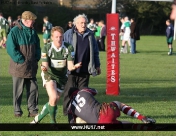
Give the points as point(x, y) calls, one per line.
point(85, 106)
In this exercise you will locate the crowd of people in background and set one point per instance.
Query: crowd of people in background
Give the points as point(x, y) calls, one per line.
point(99, 30)
point(129, 32)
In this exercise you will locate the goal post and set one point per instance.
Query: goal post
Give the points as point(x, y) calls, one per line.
point(113, 76)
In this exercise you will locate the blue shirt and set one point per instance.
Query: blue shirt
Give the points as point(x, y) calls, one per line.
point(82, 53)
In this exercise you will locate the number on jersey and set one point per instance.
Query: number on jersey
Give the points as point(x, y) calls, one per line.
point(80, 102)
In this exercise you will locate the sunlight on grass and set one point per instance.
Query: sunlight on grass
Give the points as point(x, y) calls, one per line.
point(147, 83)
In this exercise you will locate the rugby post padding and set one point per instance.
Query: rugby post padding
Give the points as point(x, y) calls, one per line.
point(113, 83)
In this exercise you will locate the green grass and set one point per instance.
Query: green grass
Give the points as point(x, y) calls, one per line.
point(147, 83)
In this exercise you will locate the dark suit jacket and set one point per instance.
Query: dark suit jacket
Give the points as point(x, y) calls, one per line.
point(134, 31)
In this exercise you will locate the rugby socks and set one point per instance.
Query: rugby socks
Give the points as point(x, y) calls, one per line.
point(122, 48)
point(170, 50)
point(42, 114)
point(131, 112)
point(52, 112)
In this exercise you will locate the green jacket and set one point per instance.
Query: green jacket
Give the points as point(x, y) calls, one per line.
point(23, 46)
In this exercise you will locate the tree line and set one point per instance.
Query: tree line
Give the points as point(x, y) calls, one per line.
point(151, 16)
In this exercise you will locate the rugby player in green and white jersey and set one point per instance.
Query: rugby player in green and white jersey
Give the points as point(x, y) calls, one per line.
point(47, 26)
point(126, 35)
point(56, 57)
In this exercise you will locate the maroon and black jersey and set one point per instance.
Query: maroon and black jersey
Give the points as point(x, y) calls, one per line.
point(85, 106)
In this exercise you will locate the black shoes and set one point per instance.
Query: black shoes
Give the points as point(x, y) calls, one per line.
point(148, 120)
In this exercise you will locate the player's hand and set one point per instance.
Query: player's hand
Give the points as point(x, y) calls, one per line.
point(43, 68)
point(78, 65)
point(98, 70)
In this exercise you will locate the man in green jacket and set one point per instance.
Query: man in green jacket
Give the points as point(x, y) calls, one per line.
point(23, 46)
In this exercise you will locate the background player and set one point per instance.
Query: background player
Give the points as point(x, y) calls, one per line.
point(169, 35)
point(84, 105)
point(126, 35)
point(47, 26)
point(56, 57)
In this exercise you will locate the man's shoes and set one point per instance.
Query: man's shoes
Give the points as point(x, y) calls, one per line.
point(18, 115)
point(148, 120)
point(32, 114)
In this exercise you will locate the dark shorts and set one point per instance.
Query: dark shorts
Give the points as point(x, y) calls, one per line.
point(108, 113)
point(169, 40)
point(60, 82)
point(46, 36)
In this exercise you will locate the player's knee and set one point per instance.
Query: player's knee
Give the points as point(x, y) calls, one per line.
point(118, 104)
point(53, 100)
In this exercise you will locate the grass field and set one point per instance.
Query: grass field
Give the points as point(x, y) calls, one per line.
point(147, 83)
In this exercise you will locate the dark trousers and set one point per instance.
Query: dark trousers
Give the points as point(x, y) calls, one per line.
point(133, 46)
point(98, 42)
point(32, 94)
point(102, 43)
point(74, 80)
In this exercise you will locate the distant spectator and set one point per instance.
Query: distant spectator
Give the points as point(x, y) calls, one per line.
point(92, 25)
point(17, 21)
point(126, 35)
point(47, 26)
point(102, 34)
point(134, 34)
point(10, 21)
point(3, 33)
point(121, 28)
point(169, 35)
point(97, 35)
point(10, 24)
point(122, 31)
point(69, 25)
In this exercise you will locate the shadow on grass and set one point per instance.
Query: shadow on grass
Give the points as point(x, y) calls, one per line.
point(128, 93)
point(155, 52)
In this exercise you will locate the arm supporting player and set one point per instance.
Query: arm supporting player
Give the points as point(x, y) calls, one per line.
point(71, 66)
point(44, 66)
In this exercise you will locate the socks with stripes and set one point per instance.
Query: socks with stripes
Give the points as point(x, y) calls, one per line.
point(131, 112)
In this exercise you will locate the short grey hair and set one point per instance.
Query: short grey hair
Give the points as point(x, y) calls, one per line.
point(80, 16)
